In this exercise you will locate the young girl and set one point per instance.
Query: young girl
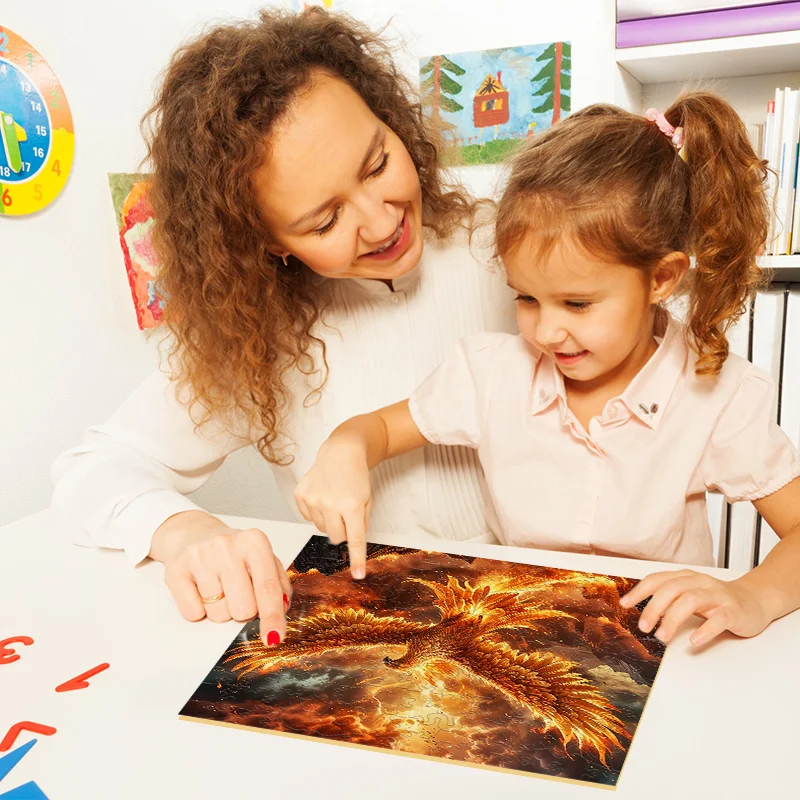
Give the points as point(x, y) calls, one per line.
point(604, 423)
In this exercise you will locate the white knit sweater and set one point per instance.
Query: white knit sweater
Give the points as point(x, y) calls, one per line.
point(131, 473)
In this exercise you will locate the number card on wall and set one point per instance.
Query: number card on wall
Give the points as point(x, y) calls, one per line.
point(36, 130)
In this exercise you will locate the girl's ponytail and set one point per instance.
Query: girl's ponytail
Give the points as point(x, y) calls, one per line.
point(729, 220)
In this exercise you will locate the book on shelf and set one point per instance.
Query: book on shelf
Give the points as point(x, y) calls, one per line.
point(779, 137)
point(784, 206)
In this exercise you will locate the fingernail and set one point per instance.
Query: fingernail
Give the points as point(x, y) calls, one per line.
point(660, 636)
point(643, 626)
point(359, 573)
point(286, 602)
point(623, 601)
point(273, 638)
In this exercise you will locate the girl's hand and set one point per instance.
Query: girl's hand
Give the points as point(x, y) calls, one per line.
point(335, 495)
point(726, 605)
point(204, 560)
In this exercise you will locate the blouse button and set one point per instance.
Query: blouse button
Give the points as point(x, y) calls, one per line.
point(612, 412)
point(395, 299)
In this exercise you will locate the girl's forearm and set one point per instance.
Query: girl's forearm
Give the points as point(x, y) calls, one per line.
point(365, 433)
point(382, 434)
point(776, 581)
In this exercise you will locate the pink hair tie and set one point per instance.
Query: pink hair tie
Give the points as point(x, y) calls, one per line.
point(675, 134)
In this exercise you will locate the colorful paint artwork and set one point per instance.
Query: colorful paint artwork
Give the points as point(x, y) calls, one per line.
point(135, 224)
point(462, 659)
point(488, 101)
point(37, 139)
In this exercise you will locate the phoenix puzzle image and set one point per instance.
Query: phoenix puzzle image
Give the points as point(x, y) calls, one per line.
point(468, 659)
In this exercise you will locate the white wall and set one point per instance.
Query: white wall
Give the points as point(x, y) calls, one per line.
point(70, 347)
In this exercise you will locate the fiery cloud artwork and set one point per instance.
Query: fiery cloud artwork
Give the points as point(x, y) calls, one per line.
point(486, 662)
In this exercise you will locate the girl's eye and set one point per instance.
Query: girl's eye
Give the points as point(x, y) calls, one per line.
point(525, 298)
point(325, 228)
point(578, 305)
point(381, 167)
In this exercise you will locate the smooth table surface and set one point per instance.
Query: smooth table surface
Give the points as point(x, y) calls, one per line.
point(721, 723)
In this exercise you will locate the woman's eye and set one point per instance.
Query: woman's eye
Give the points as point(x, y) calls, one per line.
point(525, 298)
point(325, 228)
point(381, 167)
point(578, 305)
point(374, 174)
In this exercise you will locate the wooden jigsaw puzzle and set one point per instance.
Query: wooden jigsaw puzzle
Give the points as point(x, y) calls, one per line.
point(485, 662)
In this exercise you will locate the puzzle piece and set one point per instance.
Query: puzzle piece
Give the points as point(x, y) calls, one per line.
point(440, 721)
point(410, 699)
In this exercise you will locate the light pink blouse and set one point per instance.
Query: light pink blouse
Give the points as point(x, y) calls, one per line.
point(635, 483)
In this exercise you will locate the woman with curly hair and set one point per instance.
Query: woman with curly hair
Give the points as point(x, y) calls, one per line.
point(315, 265)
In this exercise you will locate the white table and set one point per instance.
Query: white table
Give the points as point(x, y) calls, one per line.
point(721, 724)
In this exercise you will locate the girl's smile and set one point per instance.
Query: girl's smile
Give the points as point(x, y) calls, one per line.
point(569, 359)
point(594, 318)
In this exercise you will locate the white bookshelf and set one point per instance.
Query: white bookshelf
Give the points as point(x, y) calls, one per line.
point(780, 262)
point(783, 269)
point(735, 56)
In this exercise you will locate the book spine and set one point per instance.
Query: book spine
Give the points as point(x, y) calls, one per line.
point(785, 205)
point(794, 241)
point(773, 157)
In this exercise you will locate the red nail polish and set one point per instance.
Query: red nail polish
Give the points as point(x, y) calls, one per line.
point(273, 638)
point(286, 601)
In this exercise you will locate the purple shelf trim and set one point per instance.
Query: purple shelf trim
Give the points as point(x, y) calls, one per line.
point(710, 25)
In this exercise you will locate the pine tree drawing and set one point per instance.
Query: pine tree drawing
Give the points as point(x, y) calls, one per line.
point(557, 80)
point(437, 87)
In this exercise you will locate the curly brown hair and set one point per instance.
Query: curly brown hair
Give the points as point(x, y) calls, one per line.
point(612, 182)
point(240, 319)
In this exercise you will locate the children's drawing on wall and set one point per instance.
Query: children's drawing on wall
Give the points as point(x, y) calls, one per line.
point(135, 224)
point(468, 659)
point(488, 101)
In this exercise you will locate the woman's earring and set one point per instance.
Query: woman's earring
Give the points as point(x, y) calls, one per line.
point(285, 262)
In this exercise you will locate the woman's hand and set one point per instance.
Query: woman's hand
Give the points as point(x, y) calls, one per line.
point(335, 495)
point(222, 573)
point(676, 596)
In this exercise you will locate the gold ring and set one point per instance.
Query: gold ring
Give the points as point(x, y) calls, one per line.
point(215, 599)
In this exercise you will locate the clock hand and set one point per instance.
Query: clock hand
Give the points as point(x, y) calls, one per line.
point(8, 132)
